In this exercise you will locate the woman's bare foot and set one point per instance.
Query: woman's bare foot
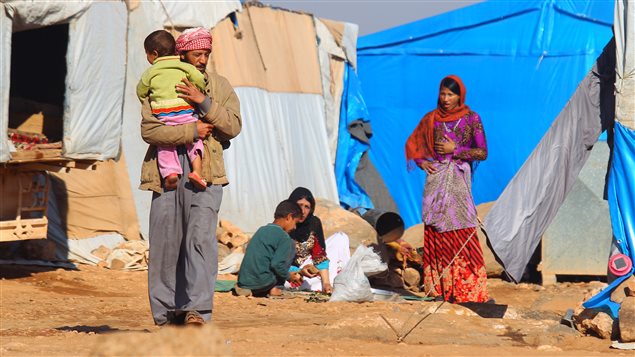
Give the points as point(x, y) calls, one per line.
point(275, 291)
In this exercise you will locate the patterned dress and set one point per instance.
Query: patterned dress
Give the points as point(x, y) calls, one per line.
point(450, 216)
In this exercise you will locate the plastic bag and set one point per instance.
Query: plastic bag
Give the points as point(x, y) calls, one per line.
point(352, 283)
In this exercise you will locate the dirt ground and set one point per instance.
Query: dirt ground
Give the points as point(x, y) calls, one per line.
point(95, 311)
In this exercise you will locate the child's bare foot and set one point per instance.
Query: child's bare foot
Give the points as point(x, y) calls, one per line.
point(170, 182)
point(275, 291)
point(197, 181)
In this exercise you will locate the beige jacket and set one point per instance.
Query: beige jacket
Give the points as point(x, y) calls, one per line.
point(224, 114)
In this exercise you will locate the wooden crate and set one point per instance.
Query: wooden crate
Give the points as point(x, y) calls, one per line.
point(33, 190)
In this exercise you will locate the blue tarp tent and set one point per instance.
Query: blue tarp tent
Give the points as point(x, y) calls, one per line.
point(520, 62)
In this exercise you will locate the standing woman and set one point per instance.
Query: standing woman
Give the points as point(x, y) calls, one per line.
point(446, 144)
point(310, 248)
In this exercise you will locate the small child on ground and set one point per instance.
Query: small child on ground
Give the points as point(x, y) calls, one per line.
point(159, 84)
point(269, 255)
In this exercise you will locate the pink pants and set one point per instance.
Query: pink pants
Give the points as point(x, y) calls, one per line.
point(168, 158)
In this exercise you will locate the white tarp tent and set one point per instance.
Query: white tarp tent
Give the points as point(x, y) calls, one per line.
point(96, 67)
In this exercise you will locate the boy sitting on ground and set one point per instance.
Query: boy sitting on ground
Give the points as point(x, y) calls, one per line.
point(269, 255)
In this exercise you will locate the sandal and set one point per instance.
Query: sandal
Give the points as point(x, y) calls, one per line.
point(194, 318)
point(197, 180)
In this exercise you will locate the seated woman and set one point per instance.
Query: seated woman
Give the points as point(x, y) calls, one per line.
point(310, 248)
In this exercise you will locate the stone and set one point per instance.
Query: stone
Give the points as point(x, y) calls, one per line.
point(601, 325)
point(230, 235)
point(627, 286)
point(414, 235)
point(223, 251)
point(626, 319)
point(580, 316)
point(336, 219)
point(411, 279)
point(102, 264)
point(101, 252)
point(233, 240)
point(117, 264)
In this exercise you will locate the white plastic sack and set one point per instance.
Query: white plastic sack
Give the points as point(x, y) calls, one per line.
point(231, 263)
point(352, 282)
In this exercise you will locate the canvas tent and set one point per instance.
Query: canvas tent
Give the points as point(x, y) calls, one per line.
point(86, 41)
point(520, 61)
point(91, 201)
point(290, 99)
point(287, 69)
point(621, 185)
point(542, 74)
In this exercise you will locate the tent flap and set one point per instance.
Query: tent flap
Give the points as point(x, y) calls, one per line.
point(95, 58)
point(353, 141)
point(529, 203)
point(283, 145)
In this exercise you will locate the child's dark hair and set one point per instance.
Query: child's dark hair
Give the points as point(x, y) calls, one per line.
point(286, 208)
point(161, 41)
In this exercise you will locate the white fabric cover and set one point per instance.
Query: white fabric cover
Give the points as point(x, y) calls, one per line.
point(349, 42)
point(28, 15)
point(282, 145)
point(624, 29)
point(193, 14)
point(333, 101)
point(18, 16)
point(96, 65)
point(5, 75)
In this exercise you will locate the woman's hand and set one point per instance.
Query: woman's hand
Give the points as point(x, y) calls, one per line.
point(306, 271)
point(445, 147)
point(189, 92)
point(427, 166)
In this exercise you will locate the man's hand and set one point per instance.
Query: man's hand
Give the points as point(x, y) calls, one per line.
point(189, 92)
point(427, 166)
point(203, 129)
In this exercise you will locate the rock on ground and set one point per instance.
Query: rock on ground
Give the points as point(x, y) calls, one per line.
point(336, 219)
point(626, 320)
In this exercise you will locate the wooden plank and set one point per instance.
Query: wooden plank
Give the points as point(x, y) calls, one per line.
point(23, 229)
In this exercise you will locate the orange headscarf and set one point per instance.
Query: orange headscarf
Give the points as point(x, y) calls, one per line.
point(420, 144)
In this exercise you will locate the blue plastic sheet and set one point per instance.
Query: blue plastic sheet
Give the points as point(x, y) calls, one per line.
point(350, 149)
point(520, 62)
point(621, 195)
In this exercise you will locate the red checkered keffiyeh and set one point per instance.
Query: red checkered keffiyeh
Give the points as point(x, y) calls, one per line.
point(196, 38)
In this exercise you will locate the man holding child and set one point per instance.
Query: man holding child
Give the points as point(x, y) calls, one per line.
point(183, 217)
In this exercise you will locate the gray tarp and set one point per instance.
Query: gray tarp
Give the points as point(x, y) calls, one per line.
point(531, 200)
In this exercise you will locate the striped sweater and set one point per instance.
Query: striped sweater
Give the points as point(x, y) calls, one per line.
point(159, 84)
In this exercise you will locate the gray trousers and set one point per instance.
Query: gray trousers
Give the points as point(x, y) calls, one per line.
point(183, 261)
